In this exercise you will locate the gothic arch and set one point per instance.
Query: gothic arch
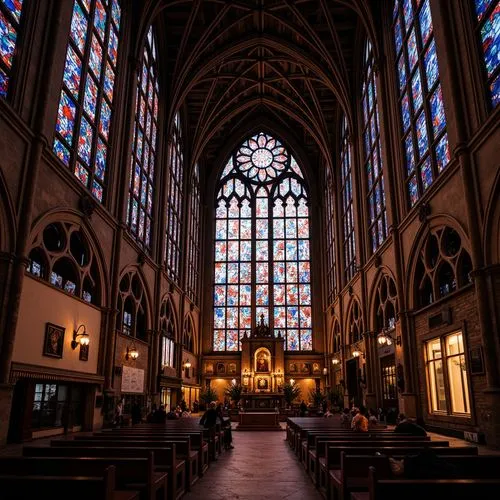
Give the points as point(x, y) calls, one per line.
point(74, 218)
point(383, 274)
point(189, 335)
point(335, 337)
point(354, 326)
point(7, 219)
point(166, 304)
point(491, 238)
point(436, 223)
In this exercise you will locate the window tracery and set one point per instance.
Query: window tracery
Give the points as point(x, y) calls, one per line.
point(193, 260)
point(62, 256)
point(355, 323)
point(262, 254)
point(131, 319)
point(444, 266)
point(330, 237)
point(82, 138)
point(167, 331)
point(386, 304)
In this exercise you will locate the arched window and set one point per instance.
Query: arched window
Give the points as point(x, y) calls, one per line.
point(488, 28)
point(174, 201)
point(337, 338)
point(82, 136)
point(347, 205)
point(10, 22)
point(424, 136)
point(131, 319)
point(262, 257)
point(444, 266)
point(188, 335)
point(330, 237)
point(61, 255)
point(143, 160)
point(373, 154)
point(167, 330)
point(193, 260)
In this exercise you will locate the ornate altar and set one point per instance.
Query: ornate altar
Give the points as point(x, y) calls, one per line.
point(262, 368)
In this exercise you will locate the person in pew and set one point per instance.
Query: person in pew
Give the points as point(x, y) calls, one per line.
point(360, 422)
point(160, 416)
point(173, 414)
point(408, 426)
point(226, 426)
point(150, 415)
point(425, 465)
point(209, 418)
point(345, 419)
point(372, 419)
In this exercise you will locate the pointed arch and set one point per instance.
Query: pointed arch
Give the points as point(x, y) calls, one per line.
point(189, 337)
point(169, 334)
point(354, 326)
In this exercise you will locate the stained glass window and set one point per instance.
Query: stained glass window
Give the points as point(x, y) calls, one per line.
point(142, 162)
point(10, 18)
point(349, 242)
point(488, 26)
point(174, 201)
point(373, 155)
point(262, 256)
point(423, 122)
point(330, 237)
point(193, 261)
point(82, 138)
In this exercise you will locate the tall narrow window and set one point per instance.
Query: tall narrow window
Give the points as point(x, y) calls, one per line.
point(174, 201)
point(347, 205)
point(193, 262)
point(372, 154)
point(10, 18)
point(142, 162)
point(488, 27)
point(330, 238)
point(82, 138)
point(423, 122)
point(262, 256)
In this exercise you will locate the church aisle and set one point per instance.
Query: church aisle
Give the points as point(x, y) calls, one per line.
point(260, 467)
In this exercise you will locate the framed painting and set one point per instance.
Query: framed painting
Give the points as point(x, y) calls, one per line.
point(54, 341)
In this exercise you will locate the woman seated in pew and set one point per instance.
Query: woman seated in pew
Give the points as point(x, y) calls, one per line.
point(359, 422)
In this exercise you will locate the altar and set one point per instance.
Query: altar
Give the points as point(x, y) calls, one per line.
point(259, 421)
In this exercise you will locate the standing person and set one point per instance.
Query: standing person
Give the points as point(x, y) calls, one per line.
point(303, 409)
point(209, 418)
point(324, 406)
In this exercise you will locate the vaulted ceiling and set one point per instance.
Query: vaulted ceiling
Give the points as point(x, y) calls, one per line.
point(291, 61)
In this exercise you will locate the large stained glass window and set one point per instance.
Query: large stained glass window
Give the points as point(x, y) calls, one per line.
point(10, 18)
point(193, 260)
point(262, 256)
point(423, 122)
point(330, 237)
point(488, 19)
point(372, 154)
point(142, 162)
point(174, 201)
point(83, 122)
point(349, 242)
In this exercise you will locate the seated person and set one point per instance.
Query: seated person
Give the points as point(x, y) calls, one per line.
point(372, 419)
point(345, 419)
point(209, 418)
point(425, 465)
point(408, 426)
point(359, 422)
point(172, 414)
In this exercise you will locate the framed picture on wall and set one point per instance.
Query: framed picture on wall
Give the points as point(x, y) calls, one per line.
point(476, 360)
point(54, 341)
point(84, 352)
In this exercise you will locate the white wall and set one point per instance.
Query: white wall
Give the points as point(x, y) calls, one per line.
point(41, 303)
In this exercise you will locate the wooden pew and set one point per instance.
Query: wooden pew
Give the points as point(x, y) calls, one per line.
point(416, 489)
point(15, 487)
point(130, 473)
point(165, 459)
point(354, 470)
point(331, 463)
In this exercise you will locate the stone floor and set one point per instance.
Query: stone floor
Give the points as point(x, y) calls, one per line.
point(261, 466)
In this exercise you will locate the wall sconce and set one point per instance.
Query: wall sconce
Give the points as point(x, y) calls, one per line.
point(292, 381)
point(233, 382)
point(357, 353)
point(84, 337)
point(335, 361)
point(385, 338)
point(187, 364)
point(325, 371)
point(132, 352)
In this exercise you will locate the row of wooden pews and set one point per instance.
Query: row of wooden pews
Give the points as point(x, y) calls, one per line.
point(147, 461)
point(345, 465)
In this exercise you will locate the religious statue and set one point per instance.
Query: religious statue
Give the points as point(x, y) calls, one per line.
point(262, 364)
